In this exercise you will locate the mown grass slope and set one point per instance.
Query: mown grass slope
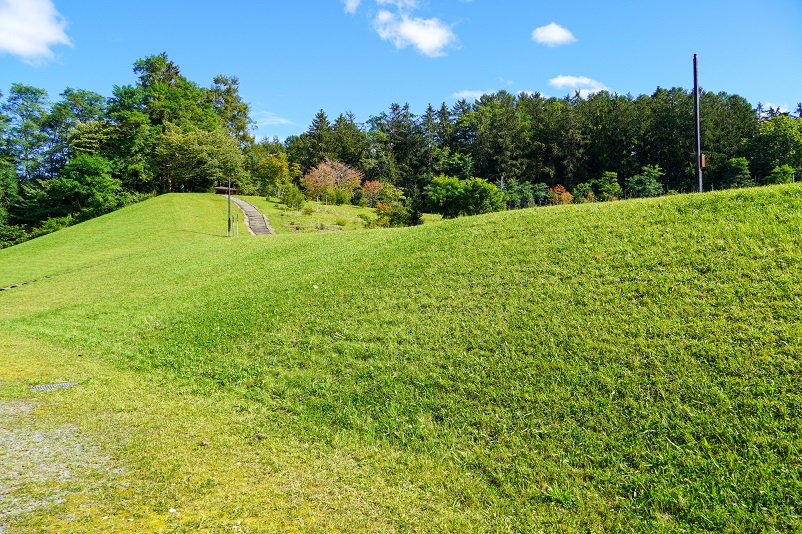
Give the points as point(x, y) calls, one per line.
point(619, 366)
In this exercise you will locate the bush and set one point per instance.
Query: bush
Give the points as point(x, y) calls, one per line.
point(583, 193)
point(12, 235)
point(444, 196)
point(414, 207)
point(540, 194)
point(367, 221)
point(607, 187)
point(559, 195)
point(53, 224)
point(85, 188)
point(332, 180)
point(452, 197)
point(341, 196)
point(480, 196)
point(519, 195)
point(645, 184)
point(293, 198)
point(390, 194)
point(784, 174)
point(358, 197)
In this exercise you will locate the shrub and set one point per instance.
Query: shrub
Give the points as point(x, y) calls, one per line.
point(540, 194)
point(452, 197)
point(370, 192)
point(11, 235)
point(645, 184)
point(390, 194)
point(559, 195)
point(358, 198)
point(367, 221)
point(293, 198)
point(85, 188)
point(341, 196)
point(383, 212)
point(607, 187)
point(519, 195)
point(444, 196)
point(53, 224)
point(414, 207)
point(583, 193)
point(784, 174)
point(391, 216)
point(479, 196)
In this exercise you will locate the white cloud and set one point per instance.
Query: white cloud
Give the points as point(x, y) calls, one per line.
point(471, 95)
point(402, 5)
point(553, 35)
point(782, 108)
point(29, 28)
point(429, 36)
point(268, 118)
point(351, 6)
point(586, 86)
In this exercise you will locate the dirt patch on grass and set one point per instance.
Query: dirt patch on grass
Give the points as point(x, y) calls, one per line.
point(40, 467)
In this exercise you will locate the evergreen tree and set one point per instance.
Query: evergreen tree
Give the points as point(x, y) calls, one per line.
point(232, 110)
point(348, 143)
point(736, 173)
point(26, 110)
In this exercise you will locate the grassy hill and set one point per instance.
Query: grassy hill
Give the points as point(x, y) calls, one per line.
point(616, 366)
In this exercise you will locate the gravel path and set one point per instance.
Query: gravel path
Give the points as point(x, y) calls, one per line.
point(256, 221)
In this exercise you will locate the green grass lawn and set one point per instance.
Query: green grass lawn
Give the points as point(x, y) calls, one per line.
point(318, 216)
point(315, 217)
point(626, 366)
point(162, 222)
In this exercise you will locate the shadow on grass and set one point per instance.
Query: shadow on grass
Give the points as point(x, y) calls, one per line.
point(202, 233)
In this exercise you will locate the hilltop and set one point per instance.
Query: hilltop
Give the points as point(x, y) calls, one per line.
point(614, 366)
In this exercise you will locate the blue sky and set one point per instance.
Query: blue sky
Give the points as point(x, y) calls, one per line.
point(294, 58)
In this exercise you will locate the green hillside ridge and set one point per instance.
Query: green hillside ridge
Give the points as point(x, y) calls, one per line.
point(616, 366)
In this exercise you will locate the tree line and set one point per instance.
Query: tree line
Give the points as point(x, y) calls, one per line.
point(85, 154)
point(543, 150)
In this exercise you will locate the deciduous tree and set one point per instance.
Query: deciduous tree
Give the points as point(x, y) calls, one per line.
point(779, 142)
point(331, 177)
point(196, 159)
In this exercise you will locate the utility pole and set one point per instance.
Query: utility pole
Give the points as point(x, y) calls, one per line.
point(696, 113)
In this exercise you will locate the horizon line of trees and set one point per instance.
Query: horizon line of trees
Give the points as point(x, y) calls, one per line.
point(600, 147)
point(84, 155)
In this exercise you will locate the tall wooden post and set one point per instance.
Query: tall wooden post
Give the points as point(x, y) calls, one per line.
point(696, 113)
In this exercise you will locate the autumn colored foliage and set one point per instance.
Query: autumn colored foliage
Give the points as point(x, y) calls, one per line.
point(560, 195)
point(331, 178)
